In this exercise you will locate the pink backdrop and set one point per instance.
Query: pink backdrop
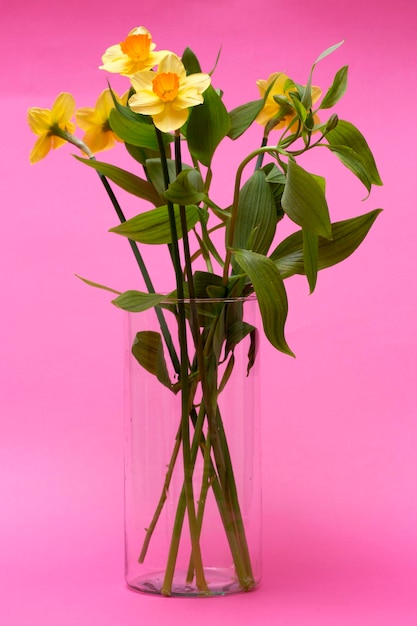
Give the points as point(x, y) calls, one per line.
point(339, 422)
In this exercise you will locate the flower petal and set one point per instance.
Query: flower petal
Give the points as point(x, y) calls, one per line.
point(41, 148)
point(39, 120)
point(146, 102)
point(171, 63)
point(142, 80)
point(170, 119)
point(63, 108)
point(97, 140)
point(85, 117)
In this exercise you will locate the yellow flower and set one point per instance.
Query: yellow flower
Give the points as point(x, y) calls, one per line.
point(48, 122)
point(95, 122)
point(168, 93)
point(273, 108)
point(134, 54)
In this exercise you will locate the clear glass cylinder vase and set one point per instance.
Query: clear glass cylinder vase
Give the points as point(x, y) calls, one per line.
point(192, 450)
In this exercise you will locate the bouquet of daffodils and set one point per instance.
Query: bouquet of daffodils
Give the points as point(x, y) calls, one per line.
point(171, 121)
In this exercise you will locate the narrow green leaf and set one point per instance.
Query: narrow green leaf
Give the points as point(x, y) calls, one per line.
point(190, 62)
point(134, 132)
point(97, 285)
point(347, 236)
point(306, 99)
point(337, 89)
point(304, 201)
point(153, 227)
point(299, 107)
point(187, 188)
point(274, 174)
point(141, 155)
point(127, 181)
point(253, 349)
point(137, 301)
point(328, 51)
point(256, 215)
point(270, 291)
point(155, 172)
point(208, 124)
point(346, 134)
point(310, 256)
point(147, 349)
point(353, 162)
point(243, 116)
point(236, 333)
point(204, 281)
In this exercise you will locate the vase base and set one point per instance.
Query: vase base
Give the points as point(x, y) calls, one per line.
point(219, 583)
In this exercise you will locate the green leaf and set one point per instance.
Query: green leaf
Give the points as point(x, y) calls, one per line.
point(137, 301)
point(328, 51)
point(148, 351)
point(190, 62)
point(276, 179)
point(299, 107)
point(346, 134)
point(153, 227)
point(97, 285)
point(135, 132)
point(156, 174)
point(243, 116)
point(337, 89)
point(274, 174)
point(127, 181)
point(256, 217)
point(203, 281)
point(347, 236)
point(270, 291)
point(235, 333)
point(304, 201)
point(353, 162)
point(187, 188)
point(208, 124)
point(306, 96)
point(310, 256)
point(141, 155)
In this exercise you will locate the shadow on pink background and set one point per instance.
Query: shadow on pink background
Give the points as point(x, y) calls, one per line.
point(339, 422)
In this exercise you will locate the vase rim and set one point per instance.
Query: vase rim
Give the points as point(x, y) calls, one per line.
point(228, 299)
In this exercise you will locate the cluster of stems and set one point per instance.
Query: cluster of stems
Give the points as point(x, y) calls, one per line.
point(191, 438)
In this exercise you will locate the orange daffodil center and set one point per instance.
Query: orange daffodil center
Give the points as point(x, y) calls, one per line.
point(281, 86)
point(134, 54)
point(137, 47)
point(168, 93)
point(165, 86)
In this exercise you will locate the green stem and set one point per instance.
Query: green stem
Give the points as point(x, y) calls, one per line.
point(207, 478)
point(181, 508)
point(185, 396)
point(162, 499)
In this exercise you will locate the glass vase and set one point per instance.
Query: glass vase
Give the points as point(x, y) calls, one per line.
point(192, 451)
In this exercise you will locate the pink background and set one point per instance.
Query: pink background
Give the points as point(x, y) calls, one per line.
point(339, 422)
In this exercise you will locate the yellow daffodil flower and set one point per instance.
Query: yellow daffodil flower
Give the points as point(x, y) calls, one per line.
point(273, 108)
point(95, 122)
point(134, 54)
point(168, 93)
point(48, 122)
